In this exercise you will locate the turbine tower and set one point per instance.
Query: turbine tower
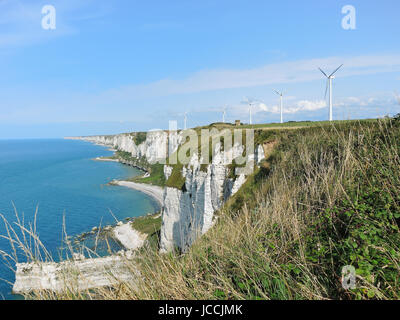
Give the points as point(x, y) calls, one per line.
point(280, 94)
point(250, 103)
point(250, 120)
point(223, 114)
point(329, 84)
point(184, 121)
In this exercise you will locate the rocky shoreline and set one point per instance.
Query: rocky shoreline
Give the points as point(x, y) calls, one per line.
point(122, 161)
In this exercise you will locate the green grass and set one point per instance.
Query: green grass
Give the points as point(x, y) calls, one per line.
point(156, 176)
point(127, 156)
point(176, 180)
point(156, 170)
point(150, 225)
point(147, 224)
point(304, 124)
point(139, 138)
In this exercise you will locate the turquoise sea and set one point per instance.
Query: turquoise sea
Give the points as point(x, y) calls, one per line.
point(58, 178)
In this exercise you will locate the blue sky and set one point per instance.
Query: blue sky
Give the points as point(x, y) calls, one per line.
point(117, 66)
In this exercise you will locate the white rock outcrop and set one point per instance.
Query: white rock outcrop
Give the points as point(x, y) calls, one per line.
point(131, 239)
point(80, 275)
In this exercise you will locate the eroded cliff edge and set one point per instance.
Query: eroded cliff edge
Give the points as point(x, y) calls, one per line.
point(192, 192)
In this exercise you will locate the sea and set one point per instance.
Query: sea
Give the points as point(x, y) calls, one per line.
point(55, 187)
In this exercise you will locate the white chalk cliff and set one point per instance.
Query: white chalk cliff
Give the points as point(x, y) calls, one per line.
point(153, 149)
point(188, 213)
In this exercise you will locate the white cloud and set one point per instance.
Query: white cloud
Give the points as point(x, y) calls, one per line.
point(261, 107)
point(366, 101)
point(285, 72)
point(299, 106)
point(306, 105)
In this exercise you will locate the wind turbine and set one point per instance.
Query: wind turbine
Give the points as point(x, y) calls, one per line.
point(280, 94)
point(329, 84)
point(250, 102)
point(223, 114)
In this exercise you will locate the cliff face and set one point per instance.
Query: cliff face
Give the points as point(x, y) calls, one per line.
point(152, 149)
point(189, 214)
point(186, 213)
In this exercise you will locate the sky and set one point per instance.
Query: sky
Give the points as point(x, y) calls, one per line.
point(126, 65)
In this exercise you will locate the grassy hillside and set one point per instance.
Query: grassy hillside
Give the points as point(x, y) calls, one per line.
point(325, 198)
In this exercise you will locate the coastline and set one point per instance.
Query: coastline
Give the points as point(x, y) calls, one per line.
point(155, 192)
point(130, 238)
point(109, 159)
point(105, 159)
point(93, 272)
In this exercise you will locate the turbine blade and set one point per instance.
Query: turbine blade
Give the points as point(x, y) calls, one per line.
point(277, 92)
point(336, 70)
point(326, 88)
point(323, 72)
